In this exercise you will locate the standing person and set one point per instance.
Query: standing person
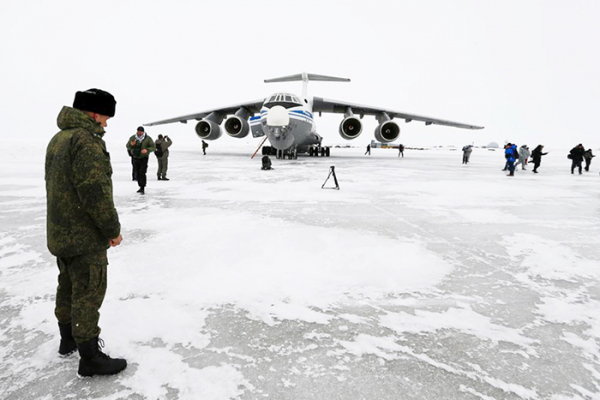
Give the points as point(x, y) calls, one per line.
point(401, 151)
point(467, 150)
point(523, 156)
point(204, 146)
point(141, 145)
point(576, 154)
point(368, 150)
point(536, 156)
point(511, 155)
point(81, 224)
point(162, 155)
point(588, 159)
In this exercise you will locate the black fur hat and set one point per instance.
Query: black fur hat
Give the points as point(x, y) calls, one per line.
point(97, 101)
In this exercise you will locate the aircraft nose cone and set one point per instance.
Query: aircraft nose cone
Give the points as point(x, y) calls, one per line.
point(278, 116)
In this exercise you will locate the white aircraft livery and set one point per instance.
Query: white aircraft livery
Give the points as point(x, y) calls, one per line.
point(288, 120)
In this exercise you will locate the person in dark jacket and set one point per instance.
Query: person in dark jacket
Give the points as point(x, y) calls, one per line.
point(587, 156)
point(266, 163)
point(576, 154)
point(467, 150)
point(536, 156)
point(81, 224)
point(368, 150)
point(141, 146)
point(401, 150)
point(204, 146)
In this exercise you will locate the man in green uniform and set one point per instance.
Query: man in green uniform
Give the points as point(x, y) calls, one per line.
point(162, 156)
point(82, 223)
point(141, 146)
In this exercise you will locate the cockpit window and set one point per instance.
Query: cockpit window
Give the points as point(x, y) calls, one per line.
point(286, 100)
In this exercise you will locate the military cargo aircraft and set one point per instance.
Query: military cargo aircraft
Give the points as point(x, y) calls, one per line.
point(288, 120)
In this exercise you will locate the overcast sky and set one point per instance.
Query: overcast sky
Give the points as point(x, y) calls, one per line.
point(526, 70)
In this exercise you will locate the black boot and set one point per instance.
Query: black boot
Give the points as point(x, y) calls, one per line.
point(94, 362)
point(67, 343)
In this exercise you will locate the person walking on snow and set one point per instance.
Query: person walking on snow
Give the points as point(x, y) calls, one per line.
point(523, 156)
point(588, 159)
point(511, 155)
point(401, 151)
point(467, 150)
point(141, 145)
point(536, 156)
point(576, 154)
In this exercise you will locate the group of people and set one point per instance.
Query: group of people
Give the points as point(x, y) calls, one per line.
point(400, 150)
point(139, 147)
point(515, 157)
point(82, 221)
point(577, 155)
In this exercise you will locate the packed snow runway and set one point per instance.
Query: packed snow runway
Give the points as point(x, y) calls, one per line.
point(421, 278)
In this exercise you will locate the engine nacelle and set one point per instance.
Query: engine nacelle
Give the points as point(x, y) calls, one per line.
point(387, 132)
point(237, 127)
point(207, 129)
point(350, 128)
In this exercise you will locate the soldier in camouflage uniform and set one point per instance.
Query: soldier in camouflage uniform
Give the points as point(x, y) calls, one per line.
point(141, 146)
point(82, 223)
point(163, 143)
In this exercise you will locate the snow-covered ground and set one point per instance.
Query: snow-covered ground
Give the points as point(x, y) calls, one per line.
point(421, 278)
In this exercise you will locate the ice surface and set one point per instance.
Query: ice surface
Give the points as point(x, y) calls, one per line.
point(421, 278)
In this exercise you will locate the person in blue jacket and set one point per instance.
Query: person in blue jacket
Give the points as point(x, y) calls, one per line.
point(511, 154)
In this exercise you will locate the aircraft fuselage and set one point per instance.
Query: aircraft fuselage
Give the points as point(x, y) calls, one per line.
point(287, 122)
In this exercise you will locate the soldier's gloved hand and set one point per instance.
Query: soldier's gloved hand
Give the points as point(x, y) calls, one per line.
point(116, 241)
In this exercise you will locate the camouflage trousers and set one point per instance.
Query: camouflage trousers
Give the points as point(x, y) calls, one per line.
point(80, 293)
point(163, 164)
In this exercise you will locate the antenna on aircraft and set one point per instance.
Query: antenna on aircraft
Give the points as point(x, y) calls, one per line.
point(305, 77)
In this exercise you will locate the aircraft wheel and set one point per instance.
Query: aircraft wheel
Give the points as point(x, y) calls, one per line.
point(266, 150)
point(327, 151)
point(310, 152)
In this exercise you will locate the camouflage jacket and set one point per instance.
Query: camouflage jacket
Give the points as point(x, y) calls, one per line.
point(136, 150)
point(81, 216)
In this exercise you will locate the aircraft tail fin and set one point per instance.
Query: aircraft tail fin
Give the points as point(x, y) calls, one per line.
point(305, 78)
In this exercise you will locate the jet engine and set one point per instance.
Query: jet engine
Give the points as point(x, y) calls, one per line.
point(237, 126)
point(351, 126)
point(387, 131)
point(209, 128)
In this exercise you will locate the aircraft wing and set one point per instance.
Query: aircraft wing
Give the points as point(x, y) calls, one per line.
point(340, 107)
point(252, 106)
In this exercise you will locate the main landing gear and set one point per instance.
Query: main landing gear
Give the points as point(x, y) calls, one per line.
point(318, 151)
point(290, 154)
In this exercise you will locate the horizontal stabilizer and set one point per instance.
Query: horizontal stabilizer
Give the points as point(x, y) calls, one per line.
point(307, 77)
